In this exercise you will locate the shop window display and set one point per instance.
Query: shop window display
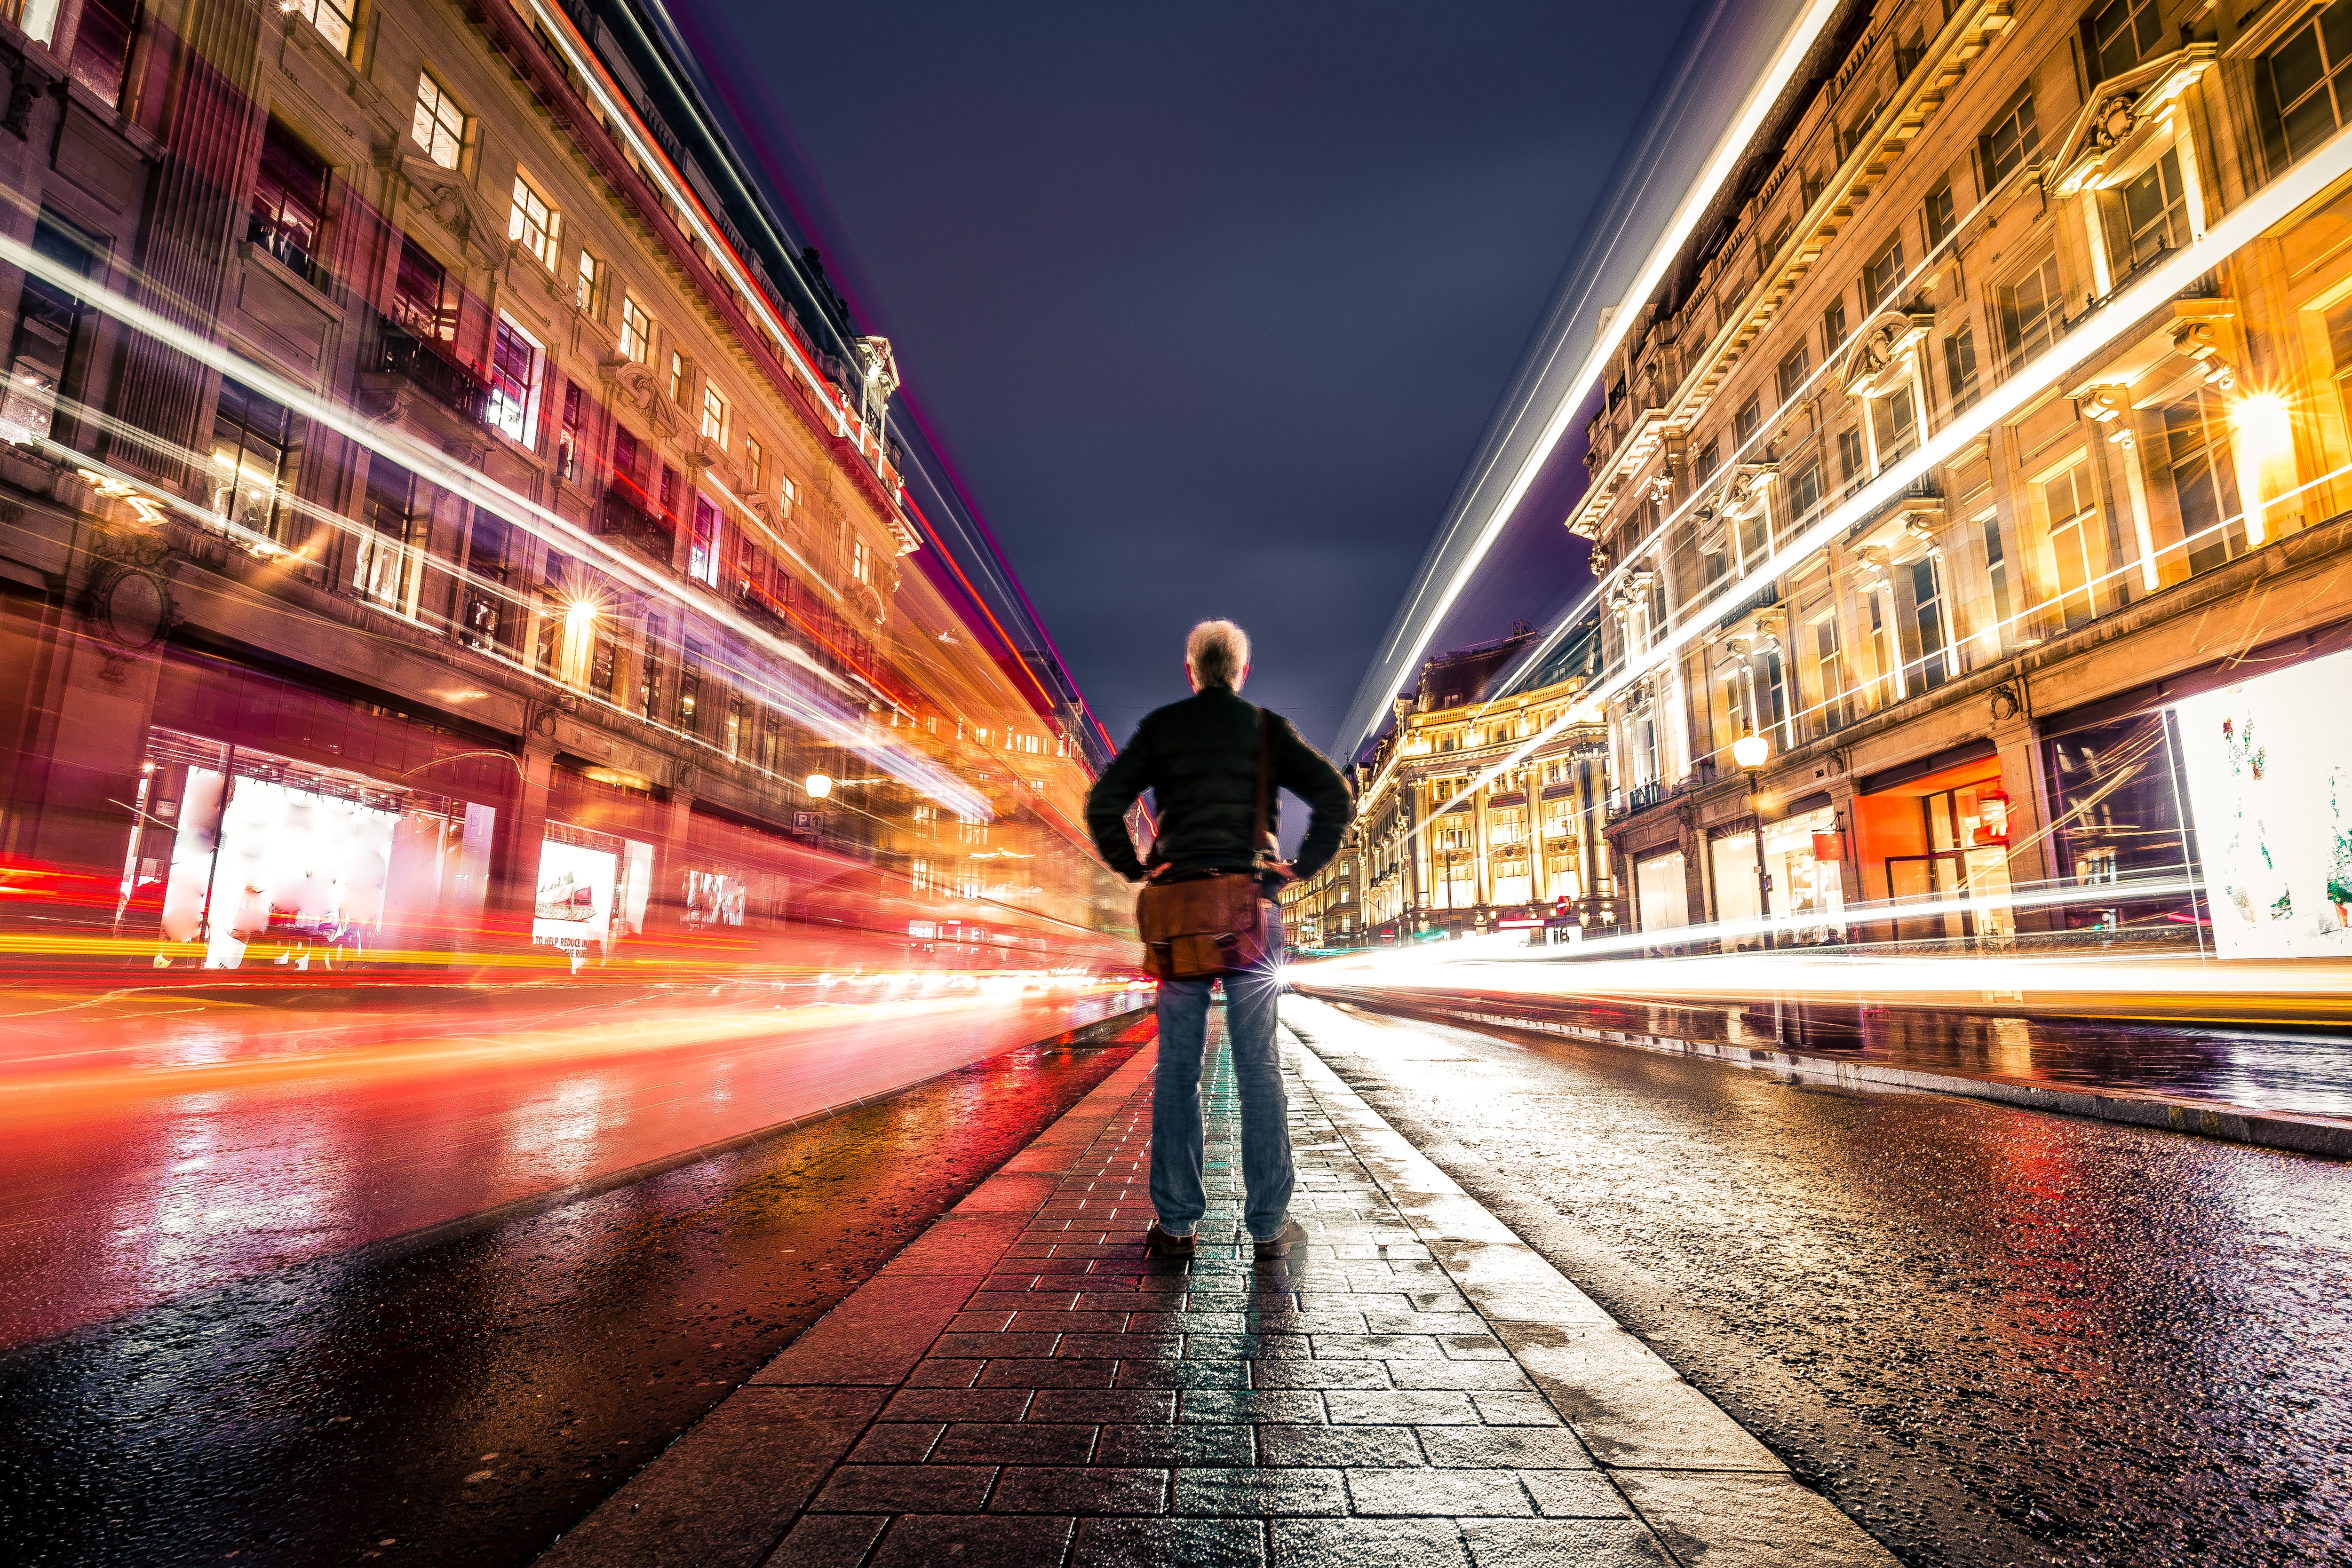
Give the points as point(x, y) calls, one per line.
point(263, 859)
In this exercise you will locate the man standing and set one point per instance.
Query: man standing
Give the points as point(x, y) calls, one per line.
point(1199, 758)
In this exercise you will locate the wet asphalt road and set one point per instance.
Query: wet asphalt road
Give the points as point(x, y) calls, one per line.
point(1992, 1336)
point(467, 1400)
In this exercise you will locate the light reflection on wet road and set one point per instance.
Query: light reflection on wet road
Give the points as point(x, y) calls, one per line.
point(466, 1399)
point(153, 1144)
point(1993, 1336)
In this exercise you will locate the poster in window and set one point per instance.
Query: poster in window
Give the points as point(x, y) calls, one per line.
point(2269, 769)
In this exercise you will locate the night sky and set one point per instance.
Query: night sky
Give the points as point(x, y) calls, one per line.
point(1208, 305)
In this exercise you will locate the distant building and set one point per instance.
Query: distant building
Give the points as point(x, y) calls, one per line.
point(1437, 846)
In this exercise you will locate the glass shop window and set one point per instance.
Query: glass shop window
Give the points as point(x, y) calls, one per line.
point(290, 201)
point(514, 383)
point(248, 462)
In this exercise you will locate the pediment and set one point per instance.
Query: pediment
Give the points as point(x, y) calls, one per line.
point(2122, 128)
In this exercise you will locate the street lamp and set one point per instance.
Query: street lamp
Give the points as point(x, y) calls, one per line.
point(1749, 751)
point(817, 785)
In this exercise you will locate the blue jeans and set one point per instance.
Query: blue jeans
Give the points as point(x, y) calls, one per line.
point(1176, 1136)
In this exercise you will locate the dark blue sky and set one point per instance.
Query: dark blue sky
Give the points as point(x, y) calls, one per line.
point(1208, 304)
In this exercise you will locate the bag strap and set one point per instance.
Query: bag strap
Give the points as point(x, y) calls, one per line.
point(1258, 834)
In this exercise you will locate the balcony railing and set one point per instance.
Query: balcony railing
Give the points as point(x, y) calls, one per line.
point(1640, 797)
point(754, 601)
point(424, 366)
point(287, 249)
point(618, 517)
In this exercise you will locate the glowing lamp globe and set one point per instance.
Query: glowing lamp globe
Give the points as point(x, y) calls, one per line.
point(1750, 751)
point(817, 785)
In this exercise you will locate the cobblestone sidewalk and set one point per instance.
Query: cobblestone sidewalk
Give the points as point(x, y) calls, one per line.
point(1023, 1386)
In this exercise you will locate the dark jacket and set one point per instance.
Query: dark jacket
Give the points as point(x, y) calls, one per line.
point(1199, 758)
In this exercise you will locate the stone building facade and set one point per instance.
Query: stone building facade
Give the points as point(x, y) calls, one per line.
point(1982, 447)
point(421, 441)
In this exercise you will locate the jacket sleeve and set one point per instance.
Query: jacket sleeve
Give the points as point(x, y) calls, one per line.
point(1130, 774)
point(1301, 769)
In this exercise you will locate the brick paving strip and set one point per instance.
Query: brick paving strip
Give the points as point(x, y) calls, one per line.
point(1022, 1385)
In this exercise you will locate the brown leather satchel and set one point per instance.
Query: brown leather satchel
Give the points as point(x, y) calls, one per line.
point(1211, 925)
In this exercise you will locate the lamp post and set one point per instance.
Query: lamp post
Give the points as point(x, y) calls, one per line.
point(1749, 752)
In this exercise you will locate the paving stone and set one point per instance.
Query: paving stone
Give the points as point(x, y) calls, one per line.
point(905, 1489)
point(956, 1405)
point(1295, 1374)
point(1050, 1374)
point(1367, 1543)
point(1563, 1543)
point(994, 1346)
point(1573, 1494)
point(1208, 1375)
point(1124, 1405)
point(1177, 1445)
point(987, 1541)
point(1337, 1446)
point(971, 1321)
point(1084, 1491)
point(1516, 1409)
point(1246, 1347)
point(897, 1443)
point(1402, 1408)
point(945, 1374)
point(1121, 1346)
point(1505, 1447)
point(1160, 1542)
point(1378, 1346)
point(1304, 1406)
point(1013, 1443)
point(1444, 1494)
point(1266, 1492)
point(1491, 1376)
point(826, 1541)
point(1067, 1321)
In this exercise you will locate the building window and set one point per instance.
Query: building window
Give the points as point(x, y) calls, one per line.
point(1833, 330)
point(1805, 493)
point(2123, 33)
point(1926, 585)
point(483, 624)
point(2204, 482)
point(681, 378)
point(333, 18)
point(588, 284)
point(1884, 274)
point(2012, 139)
point(439, 125)
point(102, 48)
point(1829, 655)
point(668, 497)
point(791, 492)
point(1744, 423)
point(534, 224)
point(514, 383)
point(861, 563)
point(2296, 96)
point(636, 331)
point(689, 688)
point(2030, 312)
point(248, 460)
point(1710, 459)
point(755, 464)
point(389, 529)
point(1937, 214)
point(1790, 378)
point(2069, 512)
point(1895, 423)
point(289, 200)
point(421, 300)
point(567, 433)
point(49, 346)
point(629, 463)
point(2004, 607)
point(702, 554)
point(649, 674)
point(2156, 211)
point(1960, 366)
point(714, 414)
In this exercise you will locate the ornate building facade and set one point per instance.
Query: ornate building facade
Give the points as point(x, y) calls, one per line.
point(1984, 445)
point(1439, 847)
point(422, 446)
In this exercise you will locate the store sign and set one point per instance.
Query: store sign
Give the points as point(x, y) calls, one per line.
point(2270, 782)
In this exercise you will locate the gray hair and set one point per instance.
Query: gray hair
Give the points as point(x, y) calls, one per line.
point(1218, 652)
